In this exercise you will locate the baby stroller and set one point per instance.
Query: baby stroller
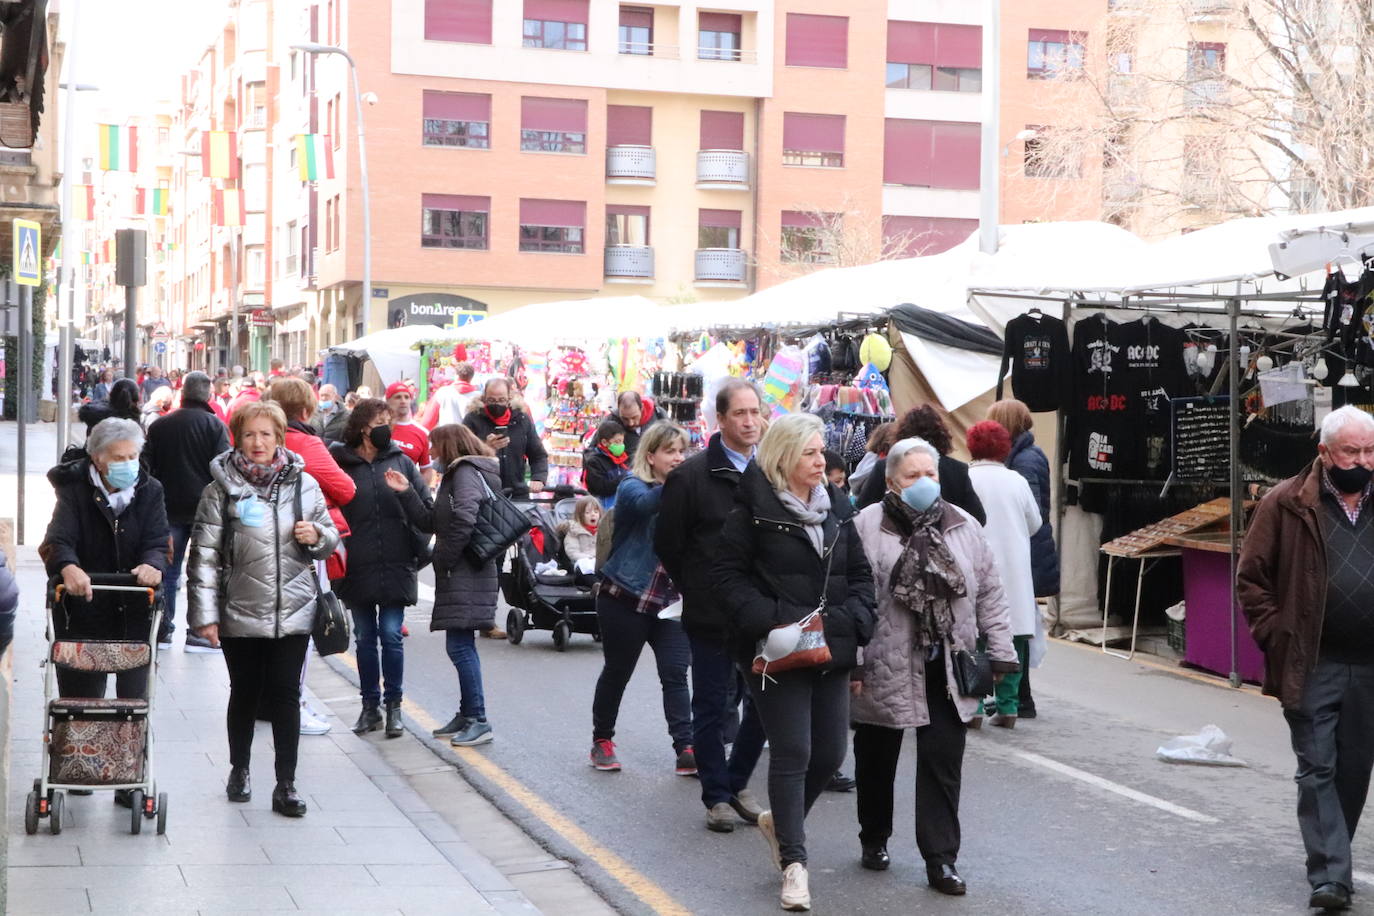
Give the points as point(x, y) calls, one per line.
point(555, 600)
point(91, 743)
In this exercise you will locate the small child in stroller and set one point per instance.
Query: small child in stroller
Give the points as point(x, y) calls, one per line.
point(579, 535)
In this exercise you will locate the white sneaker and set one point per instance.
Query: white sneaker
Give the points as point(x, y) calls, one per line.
point(311, 723)
point(796, 891)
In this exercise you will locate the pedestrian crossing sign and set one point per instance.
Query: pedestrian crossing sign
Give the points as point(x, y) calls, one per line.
point(27, 271)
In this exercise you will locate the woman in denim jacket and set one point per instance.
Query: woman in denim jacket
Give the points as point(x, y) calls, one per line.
point(634, 589)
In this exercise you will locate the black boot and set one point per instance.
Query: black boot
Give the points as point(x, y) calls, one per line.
point(238, 788)
point(394, 728)
point(286, 801)
point(454, 726)
point(369, 720)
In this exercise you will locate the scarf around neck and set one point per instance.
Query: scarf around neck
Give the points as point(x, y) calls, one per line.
point(621, 460)
point(926, 577)
point(810, 514)
point(259, 476)
point(500, 419)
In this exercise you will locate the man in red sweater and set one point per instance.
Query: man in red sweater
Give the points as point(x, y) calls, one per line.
point(409, 436)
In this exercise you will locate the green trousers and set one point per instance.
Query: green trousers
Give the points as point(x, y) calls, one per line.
point(1009, 687)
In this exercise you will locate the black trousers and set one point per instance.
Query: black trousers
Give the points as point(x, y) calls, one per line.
point(1333, 738)
point(266, 672)
point(624, 633)
point(92, 684)
point(939, 773)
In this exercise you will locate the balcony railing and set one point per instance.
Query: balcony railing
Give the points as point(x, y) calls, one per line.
point(729, 167)
point(1125, 90)
point(1209, 9)
point(631, 164)
point(632, 262)
point(649, 49)
point(1204, 93)
point(722, 265)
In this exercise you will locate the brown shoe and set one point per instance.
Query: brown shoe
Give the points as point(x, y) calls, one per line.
point(494, 633)
point(1002, 721)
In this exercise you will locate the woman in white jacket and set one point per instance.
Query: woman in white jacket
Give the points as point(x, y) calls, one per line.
point(1013, 517)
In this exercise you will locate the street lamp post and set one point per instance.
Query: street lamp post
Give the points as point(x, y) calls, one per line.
point(313, 48)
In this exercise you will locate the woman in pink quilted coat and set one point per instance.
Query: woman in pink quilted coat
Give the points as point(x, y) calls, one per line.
point(938, 590)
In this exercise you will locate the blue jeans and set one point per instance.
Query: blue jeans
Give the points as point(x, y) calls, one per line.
point(371, 624)
point(713, 676)
point(462, 651)
point(181, 538)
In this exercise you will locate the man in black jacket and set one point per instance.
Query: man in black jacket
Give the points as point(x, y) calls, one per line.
point(180, 446)
point(696, 499)
point(511, 434)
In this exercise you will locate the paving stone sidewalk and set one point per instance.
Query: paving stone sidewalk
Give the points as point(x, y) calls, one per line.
point(369, 844)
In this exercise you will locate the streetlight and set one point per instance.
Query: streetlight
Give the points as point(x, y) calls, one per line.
point(314, 48)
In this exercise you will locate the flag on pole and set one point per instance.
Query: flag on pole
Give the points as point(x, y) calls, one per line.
point(228, 207)
point(156, 198)
point(109, 246)
point(219, 154)
point(118, 148)
point(83, 202)
point(314, 156)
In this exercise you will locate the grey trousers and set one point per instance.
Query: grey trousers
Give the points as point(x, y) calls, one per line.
point(1333, 738)
point(805, 714)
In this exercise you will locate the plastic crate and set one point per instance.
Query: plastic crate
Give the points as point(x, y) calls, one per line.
point(1178, 636)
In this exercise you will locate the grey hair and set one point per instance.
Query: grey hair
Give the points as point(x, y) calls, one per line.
point(110, 431)
point(1337, 420)
point(904, 447)
point(195, 386)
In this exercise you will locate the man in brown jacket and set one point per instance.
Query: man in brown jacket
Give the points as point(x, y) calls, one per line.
point(1306, 585)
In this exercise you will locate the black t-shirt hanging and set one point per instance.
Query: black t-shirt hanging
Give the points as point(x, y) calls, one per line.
point(1152, 372)
point(1098, 430)
point(1037, 347)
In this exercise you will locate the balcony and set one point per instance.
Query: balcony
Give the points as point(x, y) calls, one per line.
point(632, 165)
point(1204, 10)
point(723, 169)
point(721, 265)
point(1204, 93)
point(629, 263)
point(1120, 188)
point(1125, 91)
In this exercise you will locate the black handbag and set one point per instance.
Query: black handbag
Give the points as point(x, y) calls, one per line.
point(330, 632)
point(973, 671)
point(499, 524)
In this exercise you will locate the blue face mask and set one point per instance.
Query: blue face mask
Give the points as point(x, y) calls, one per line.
point(326, 405)
point(122, 474)
point(252, 512)
point(922, 494)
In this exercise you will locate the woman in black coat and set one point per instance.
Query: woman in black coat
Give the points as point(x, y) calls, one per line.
point(788, 549)
point(123, 402)
point(390, 517)
point(925, 422)
point(110, 517)
point(465, 592)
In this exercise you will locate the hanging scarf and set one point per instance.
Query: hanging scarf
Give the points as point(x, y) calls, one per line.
point(621, 460)
point(464, 387)
point(926, 577)
point(259, 476)
point(811, 514)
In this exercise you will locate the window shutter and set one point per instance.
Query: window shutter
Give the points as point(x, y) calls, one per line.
point(814, 133)
point(719, 219)
point(719, 22)
point(568, 115)
point(910, 42)
point(629, 125)
point(796, 219)
point(722, 130)
point(568, 213)
point(557, 10)
point(817, 41)
point(467, 202)
point(457, 106)
point(906, 152)
point(458, 20)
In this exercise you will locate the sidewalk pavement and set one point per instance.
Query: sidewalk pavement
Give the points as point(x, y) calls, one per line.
point(391, 827)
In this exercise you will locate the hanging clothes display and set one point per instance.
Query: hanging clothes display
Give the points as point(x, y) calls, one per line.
point(1037, 349)
point(1098, 423)
point(1152, 372)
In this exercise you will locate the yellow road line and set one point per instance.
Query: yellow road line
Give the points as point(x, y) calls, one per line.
point(626, 874)
point(1213, 680)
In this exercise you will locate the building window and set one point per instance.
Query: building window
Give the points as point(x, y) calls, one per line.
point(626, 225)
point(722, 130)
point(917, 236)
point(636, 30)
point(461, 119)
point(934, 56)
point(338, 219)
point(629, 125)
point(553, 125)
point(1043, 160)
point(336, 115)
point(454, 221)
point(931, 154)
point(817, 41)
point(329, 224)
point(805, 237)
point(1206, 60)
point(718, 228)
point(718, 36)
point(458, 20)
point(559, 24)
point(1055, 54)
point(813, 140)
point(552, 225)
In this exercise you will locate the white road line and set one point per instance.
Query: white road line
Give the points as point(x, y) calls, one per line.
point(1124, 791)
point(426, 592)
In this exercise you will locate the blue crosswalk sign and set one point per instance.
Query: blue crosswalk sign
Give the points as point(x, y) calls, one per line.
point(26, 249)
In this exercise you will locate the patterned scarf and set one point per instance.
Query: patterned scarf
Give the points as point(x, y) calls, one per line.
point(926, 577)
point(259, 476)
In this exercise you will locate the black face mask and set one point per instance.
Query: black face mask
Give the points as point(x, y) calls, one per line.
point(380, 437)
point(1350, 480)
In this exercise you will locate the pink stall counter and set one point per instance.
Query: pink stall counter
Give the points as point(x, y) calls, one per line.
point(1207, 594)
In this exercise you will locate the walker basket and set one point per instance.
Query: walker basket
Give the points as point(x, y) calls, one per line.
point(98, 741)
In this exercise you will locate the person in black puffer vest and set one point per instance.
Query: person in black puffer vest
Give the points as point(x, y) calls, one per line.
point(388, 517)
point(509, 432)
point(465, 592)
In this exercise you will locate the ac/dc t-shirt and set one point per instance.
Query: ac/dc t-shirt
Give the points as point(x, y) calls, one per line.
point(1152, 372)
point(1037, 348)
point(1099, 425)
